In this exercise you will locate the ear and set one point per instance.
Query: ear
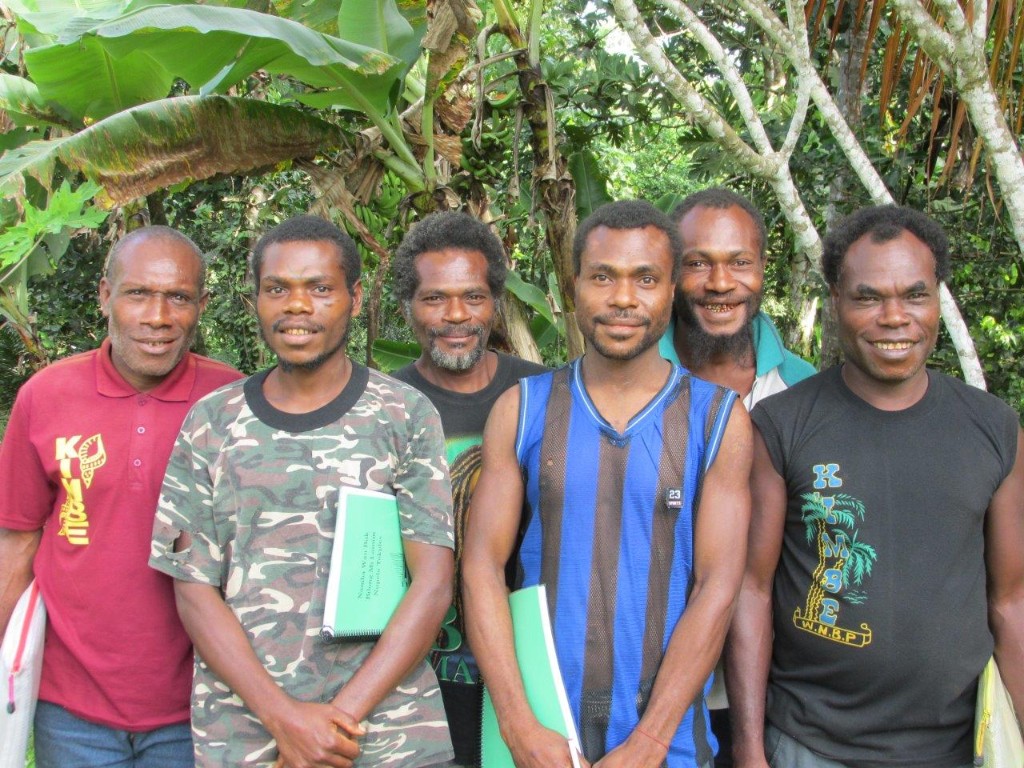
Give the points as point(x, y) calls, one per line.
point(357, 298)
point(202, 301)
point(106, 291)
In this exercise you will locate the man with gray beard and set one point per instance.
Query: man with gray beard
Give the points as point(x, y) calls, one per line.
point(449, 277)
point(719, 333)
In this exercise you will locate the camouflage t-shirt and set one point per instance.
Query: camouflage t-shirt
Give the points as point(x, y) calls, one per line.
point(257, 489)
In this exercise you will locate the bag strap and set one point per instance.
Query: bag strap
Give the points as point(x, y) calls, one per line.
point(19, 653)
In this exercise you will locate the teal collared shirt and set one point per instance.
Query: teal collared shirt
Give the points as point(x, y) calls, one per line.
point(776, 367)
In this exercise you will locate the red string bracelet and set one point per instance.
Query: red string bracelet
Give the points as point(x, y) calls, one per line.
point(657, 741)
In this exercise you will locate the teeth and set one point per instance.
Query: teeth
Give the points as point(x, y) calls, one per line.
point(297, 331)
point(718, 307)
point(893, 345)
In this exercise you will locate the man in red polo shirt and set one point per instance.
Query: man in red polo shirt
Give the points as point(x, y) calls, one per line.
point(81, 465)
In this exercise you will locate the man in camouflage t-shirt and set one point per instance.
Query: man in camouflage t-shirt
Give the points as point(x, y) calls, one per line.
point(245, 526)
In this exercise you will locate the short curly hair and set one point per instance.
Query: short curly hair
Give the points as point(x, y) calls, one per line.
point(883, 223)
point(309, 229)
point(628, 214)
point(721, 198)
point(438, 232)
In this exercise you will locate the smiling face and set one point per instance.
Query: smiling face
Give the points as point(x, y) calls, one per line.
point(887, 307)
point(719, 290)
point(303, 305)
point(452, 310)
point(152, 301)
point(624, 290)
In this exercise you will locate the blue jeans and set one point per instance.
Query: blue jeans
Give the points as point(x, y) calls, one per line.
point(65, 741)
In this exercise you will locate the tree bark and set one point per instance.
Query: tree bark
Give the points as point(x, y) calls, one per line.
point(517, 329)
point(850, 105)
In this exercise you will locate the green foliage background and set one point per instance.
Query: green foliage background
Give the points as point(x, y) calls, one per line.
point(624, 137)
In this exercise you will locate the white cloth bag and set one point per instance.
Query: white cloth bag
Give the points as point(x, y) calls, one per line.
point(21, 663)
point(998, 741)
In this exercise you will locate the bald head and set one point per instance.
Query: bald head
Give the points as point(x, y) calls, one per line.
point(153, 237)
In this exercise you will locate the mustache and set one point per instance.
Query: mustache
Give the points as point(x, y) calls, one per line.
point(445, 330)
point(278, 324)
point(625, 314)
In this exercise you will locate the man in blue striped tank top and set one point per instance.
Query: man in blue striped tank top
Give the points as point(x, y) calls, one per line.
point(622, 480)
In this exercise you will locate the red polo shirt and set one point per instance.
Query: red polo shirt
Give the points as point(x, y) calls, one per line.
point(83, 457)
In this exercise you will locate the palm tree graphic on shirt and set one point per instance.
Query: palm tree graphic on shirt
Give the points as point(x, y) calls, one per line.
point(843, 563)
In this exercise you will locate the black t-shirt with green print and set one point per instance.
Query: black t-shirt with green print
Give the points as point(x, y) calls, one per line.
point(880, 611)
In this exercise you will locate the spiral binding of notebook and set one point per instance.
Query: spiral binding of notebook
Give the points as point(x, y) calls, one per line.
point(367, 578)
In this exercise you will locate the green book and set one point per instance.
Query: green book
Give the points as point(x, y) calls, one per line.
point(542, 679)
point(367, 578)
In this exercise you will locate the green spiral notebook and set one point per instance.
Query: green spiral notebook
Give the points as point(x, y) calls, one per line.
point(367, 578)
point(542, 679)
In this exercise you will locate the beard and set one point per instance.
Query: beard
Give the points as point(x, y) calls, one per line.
point(705, 347)
point(457, 362)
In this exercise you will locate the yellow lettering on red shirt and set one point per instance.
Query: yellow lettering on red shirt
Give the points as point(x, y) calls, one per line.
point(91, 455)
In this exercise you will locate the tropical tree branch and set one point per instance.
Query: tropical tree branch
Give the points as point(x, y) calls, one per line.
point(704, 114)
point(966, 66)
point(412, 178)
point(730, 73)
point(796, 125)
point(938, 44)
point(798, 55)
point(957, 24)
